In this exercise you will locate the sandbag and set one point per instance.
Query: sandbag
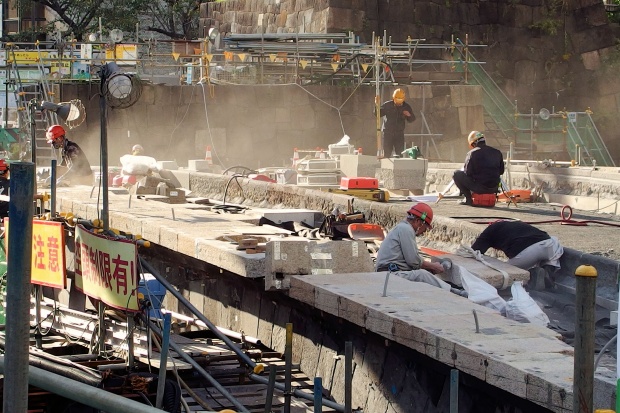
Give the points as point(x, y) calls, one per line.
point(138, 164)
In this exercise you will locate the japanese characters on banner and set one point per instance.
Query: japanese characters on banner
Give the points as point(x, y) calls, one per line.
point(106, 269)
point(48, 253)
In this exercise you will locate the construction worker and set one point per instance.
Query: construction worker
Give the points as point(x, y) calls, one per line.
point(525, 246)
point(394, 112)
point(74, 162)
point(137, 149)
point(481, 173)
point(5, 186)
point(399, 254)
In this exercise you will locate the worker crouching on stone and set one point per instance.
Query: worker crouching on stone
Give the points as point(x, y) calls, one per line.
point(482, 170)
point(399, 251)
point(526, 246)
point(74, 165)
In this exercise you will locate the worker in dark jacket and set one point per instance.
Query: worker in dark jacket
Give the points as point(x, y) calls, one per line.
point(74, 163)
point(395, 113)
point(482, 171)
point(525, 245)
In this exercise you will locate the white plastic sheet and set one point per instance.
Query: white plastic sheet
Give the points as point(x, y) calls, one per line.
point(521, 307)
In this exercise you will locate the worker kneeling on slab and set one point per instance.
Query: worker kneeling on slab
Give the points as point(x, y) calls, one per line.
point(525, 246)
point(399, 251)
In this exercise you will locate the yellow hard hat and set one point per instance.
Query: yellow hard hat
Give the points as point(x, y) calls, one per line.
point(474, 136)
point(398, 96)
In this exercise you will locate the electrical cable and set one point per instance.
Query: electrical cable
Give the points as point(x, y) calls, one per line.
point(184, 115)
point(337, 108)
point(603, 350)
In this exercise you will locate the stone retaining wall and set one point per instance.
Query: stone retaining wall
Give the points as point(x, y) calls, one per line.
point(552, 54)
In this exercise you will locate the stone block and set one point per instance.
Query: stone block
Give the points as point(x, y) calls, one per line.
point(346, 257)
point(358, 165)
point(402, 173)
point(285, 258)
point(199, 165)
point(169, 165)
point(484, 272)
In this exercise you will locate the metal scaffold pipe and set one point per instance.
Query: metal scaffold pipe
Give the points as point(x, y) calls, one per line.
point(244, 357)
point(80, 392)
point(201, 371)
point(17, 332)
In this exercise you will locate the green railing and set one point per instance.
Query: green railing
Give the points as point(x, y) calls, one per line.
point(556, 135)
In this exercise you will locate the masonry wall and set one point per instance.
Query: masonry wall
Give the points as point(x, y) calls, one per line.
point(543, 53)
point(387, 377)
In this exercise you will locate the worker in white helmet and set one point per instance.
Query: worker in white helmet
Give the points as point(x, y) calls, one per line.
point(482, 171)
point(137, 149)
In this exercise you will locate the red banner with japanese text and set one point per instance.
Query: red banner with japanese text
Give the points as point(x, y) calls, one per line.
point(48, 253)
point(106, 269)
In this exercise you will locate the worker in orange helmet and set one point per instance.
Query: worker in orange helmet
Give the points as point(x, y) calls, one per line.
point(399, 251)
point(73, 160)
point(482, 171)
point(5, 186)
point(395, 113)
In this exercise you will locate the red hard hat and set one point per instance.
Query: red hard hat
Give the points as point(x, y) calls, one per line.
point(422, 211)
point(54, 133)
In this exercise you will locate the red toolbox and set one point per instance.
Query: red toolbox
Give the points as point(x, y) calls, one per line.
point(359, 183)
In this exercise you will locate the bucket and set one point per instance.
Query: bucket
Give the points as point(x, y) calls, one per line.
point(413, 152)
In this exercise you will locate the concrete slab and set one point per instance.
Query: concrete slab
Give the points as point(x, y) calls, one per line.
point(484, 272)
point(503, 353)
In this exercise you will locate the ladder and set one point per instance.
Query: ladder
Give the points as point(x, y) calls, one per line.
point(29, 93)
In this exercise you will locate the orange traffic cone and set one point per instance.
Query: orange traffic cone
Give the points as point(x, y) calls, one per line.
point(295, 158)
point(208, 157)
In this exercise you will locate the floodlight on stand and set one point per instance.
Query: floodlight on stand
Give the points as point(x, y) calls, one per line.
point(121, 90)
point(117, 90)
point(116, 35)
point(72, 113)
point(92, 37)
point(213, 33)
point(214, 39)
point(544, 114)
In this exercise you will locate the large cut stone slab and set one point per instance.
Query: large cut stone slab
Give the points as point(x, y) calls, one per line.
point(403, 173)
point(298, 256)
point(484, 272)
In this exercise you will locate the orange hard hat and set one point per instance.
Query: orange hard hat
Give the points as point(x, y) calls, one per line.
point(55, 133)
point(422, 211)
point(398, 96)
